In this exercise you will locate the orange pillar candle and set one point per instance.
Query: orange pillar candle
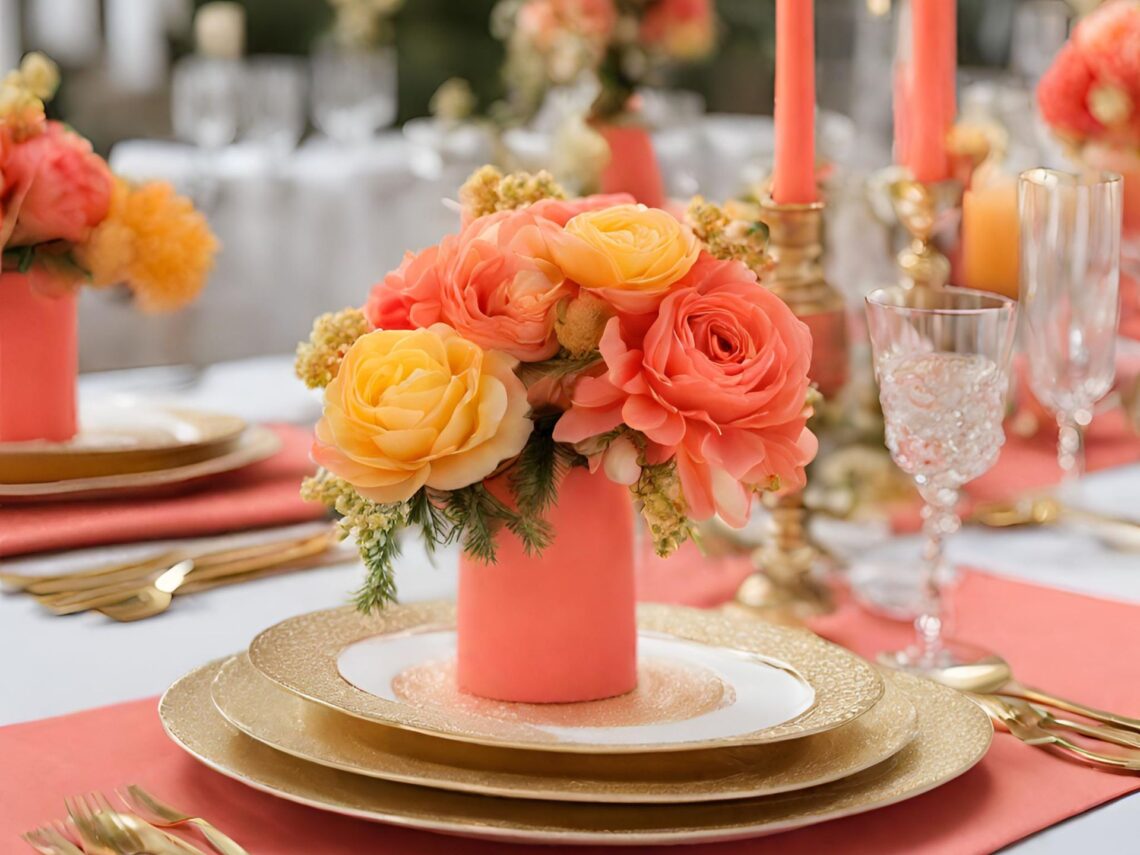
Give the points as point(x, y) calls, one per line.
point(931, 103)
point(990, 237)
point(793, 175)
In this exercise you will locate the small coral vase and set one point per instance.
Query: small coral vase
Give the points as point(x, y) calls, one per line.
point(632, 167)
point(39, 362)
point(559, 627)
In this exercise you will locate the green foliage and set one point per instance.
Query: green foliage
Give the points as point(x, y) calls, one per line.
point(556, 368)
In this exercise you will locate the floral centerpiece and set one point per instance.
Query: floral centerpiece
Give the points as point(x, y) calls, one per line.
point(1090, 97)
point(620, 44)
point(518, 385)
point(66, 221)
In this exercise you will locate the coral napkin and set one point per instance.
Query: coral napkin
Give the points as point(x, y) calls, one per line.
point(263, 494)
point(996, 803)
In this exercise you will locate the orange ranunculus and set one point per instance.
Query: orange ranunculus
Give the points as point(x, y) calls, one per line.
point(55, 188)
point(414, 408)
point(492, 283)
point(628, 255)
point(717, 382)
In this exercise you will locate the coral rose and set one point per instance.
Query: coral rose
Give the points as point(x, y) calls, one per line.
point(410, 408)
point(628, 255)
point(492, 282)
point(561, 211)
point(55, 188)
point(718, 381)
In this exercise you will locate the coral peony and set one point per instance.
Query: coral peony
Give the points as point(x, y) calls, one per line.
point(628, 255)
point(54, 188)
point(420, 407)
point(1062, 94)
point(492, 282)
point(154, 241)
point(718, 381)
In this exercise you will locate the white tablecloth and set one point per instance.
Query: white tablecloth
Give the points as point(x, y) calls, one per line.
point(51, 666)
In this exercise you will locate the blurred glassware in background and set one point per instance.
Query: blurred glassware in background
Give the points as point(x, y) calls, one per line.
point(942, 359)
point(1040, 28)
point(354, 91)
point(1070, 286)
point(204, 100)
point(273, 103)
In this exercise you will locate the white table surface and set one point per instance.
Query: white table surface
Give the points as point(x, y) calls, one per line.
point(51, 666)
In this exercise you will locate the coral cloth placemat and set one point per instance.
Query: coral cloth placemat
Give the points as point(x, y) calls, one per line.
point(996, 803)
point(260, 495)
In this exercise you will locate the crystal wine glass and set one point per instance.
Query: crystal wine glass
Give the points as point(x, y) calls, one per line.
point(942, 362)
point(354, 91)
point(1070, 295)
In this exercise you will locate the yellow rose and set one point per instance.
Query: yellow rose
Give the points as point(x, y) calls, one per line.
point(410, 408)
point(629, 255)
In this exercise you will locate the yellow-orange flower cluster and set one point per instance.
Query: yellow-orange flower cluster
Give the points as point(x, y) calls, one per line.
point(155, 242)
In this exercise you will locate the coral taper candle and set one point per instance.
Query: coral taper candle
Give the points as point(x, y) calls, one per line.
point(793, 176)
point(931, 104)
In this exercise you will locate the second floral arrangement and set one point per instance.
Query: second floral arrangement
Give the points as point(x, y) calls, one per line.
point(550, 333)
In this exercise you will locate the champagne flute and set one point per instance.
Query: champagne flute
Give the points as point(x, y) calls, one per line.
point(1070, 296)
point(942, 361)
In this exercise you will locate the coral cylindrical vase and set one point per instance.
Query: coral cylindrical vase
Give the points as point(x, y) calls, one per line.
point(559, 627)
point(39, 362)
point(632, 167)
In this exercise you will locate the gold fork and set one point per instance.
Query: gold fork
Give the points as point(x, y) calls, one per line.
point(1030, 732)
point(51, 839)
point(106, 831)
point(165, 816)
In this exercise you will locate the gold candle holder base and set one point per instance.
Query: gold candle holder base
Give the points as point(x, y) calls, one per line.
point(786, 586)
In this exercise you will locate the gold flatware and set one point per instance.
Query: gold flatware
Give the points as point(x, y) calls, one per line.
point(1038, 716)
point(1031, 733)
point(1046, 510)
point(207, 568)
point(993, 675)
point(51, 839)
point(105, 831)
point(135, 571)
point(156, 598)
point(165, 816)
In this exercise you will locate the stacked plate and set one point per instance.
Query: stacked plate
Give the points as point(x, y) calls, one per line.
point(131, 449)
point(736, 729)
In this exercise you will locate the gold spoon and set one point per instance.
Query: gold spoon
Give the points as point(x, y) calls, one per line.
point(993, 675)
point(1046, 510)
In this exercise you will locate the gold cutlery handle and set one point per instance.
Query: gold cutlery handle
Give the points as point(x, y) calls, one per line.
point(223, 844)
point(1029, 693)
point(1129, 764)
point(1103, 732)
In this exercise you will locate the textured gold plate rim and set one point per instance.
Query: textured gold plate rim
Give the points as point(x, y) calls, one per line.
point(255, 444)
point(745, 772)
point(300, 654)
point(954, 734)
point(52, 462)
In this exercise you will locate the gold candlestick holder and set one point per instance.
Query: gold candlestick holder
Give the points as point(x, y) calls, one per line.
point(925, 211)
point(787, 585)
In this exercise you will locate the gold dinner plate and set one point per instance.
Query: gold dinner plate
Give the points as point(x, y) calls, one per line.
point(262, 710)
point(953, 735)
point(122, 441)
point(705, 681)
point(254, 444)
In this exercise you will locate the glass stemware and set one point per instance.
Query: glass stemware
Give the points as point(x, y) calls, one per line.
point(354, 91)
point(273, 103)
point(942, 361)
point(1070, 295)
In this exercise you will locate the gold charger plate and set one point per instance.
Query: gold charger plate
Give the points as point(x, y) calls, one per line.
point(263, 711)
point(953, 735)
point(255, 444)
point(122, 441)
point(677, 706)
